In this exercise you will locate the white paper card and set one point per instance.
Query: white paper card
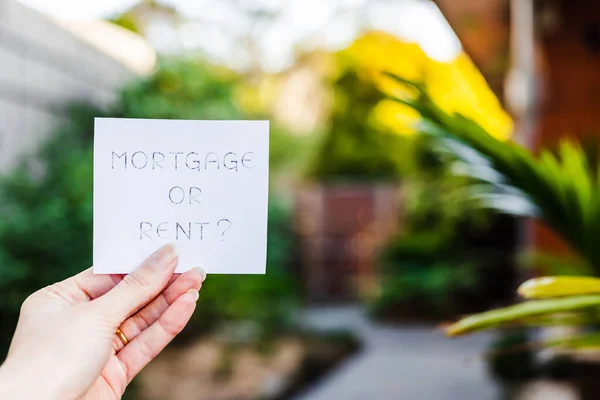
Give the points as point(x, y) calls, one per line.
point(200, 184)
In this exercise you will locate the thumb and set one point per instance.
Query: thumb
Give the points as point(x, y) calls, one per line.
point(141, 286)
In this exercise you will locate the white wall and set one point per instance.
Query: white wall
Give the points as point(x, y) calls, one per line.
point(43, 67)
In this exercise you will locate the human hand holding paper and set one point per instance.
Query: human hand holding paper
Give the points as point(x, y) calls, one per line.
point(65, 339)
point(201, 184)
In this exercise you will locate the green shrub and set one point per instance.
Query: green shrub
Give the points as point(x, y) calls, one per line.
point(353, 148)
point(511, 359)
point(422, 277)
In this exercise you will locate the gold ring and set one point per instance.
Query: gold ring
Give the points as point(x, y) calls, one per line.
point(122, 336)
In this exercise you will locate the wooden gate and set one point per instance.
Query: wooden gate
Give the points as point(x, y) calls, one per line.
point(341, 230)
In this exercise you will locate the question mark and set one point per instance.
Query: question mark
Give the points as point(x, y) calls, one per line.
point(226, 229)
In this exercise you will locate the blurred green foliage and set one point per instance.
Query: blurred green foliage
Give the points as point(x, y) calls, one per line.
point(46, 228)
point(354, 148)
point(423, 276)
point(182, 89)
point(426, 271)
point(511, 359)
point(436, 200)
point(559, 186)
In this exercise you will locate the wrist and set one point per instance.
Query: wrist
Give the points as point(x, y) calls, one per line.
point(20, 381)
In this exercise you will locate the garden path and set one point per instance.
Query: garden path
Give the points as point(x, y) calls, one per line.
point(402, 362)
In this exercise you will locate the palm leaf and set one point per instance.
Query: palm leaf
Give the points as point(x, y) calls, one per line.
point(560, 188)
point(519, 313)
point(559, 286)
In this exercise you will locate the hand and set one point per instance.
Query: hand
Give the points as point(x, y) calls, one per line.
point(65, 346)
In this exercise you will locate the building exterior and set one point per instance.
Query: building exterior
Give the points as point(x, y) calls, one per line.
point(46, 64)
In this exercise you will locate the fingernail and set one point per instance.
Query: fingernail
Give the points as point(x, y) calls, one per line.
point(163, 257)
point(194, 293)
point(201, 272)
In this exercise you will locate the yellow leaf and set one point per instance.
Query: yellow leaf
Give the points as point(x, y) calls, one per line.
point(559, 286)
point(393, 116)
point(455, 86)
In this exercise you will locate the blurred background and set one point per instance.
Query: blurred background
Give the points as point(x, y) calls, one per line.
point(377, 235)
